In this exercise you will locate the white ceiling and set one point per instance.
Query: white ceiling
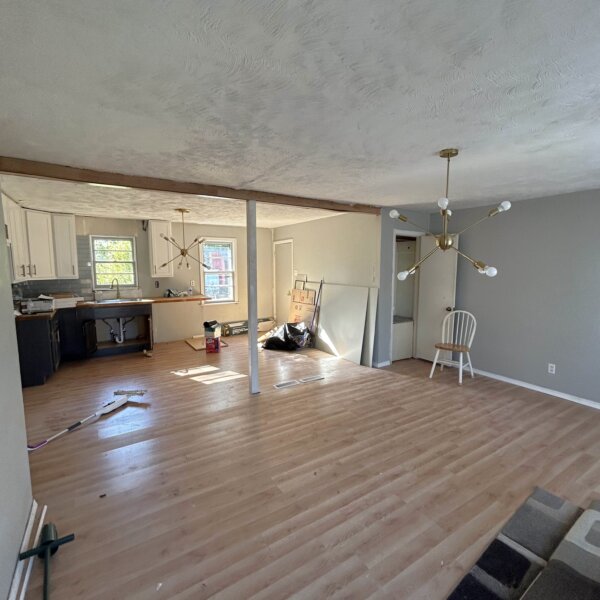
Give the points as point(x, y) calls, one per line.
point(343, 99)
point(86, 200)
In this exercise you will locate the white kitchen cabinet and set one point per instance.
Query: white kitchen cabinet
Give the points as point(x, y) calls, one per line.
point(40, 243)
point(65, 246)
point(161, 251)
point(16, 231)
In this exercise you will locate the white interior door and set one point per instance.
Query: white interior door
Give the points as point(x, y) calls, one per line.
point(283, 259)
point(437, 293)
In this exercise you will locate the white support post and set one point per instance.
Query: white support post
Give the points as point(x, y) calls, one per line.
point(252, 298)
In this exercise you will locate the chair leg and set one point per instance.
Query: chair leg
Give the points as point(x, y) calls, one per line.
point(470, 365)
point(460, 368)
point(434, 363)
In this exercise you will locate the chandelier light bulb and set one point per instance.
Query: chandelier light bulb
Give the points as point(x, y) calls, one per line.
point(444, 241)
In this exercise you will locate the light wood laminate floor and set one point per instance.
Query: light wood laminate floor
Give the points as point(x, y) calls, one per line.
point(369, 483)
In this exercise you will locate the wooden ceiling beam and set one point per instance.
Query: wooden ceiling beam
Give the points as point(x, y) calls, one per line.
point(43, 170)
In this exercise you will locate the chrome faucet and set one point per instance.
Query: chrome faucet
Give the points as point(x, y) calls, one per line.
point(112, 287)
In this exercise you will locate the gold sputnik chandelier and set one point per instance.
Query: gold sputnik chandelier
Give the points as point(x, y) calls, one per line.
point(445, 241)
point(182, 249)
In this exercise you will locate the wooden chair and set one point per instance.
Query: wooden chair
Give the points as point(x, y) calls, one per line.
point(458, 331)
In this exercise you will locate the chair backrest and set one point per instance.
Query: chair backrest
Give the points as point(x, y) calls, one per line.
point(458, 327)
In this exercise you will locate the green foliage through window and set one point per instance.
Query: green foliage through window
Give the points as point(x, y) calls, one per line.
point(113, 258)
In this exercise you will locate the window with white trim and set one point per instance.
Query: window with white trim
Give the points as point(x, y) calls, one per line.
point(113, 258)
point(220, 281)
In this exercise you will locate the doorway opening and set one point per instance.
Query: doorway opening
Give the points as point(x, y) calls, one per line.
point(283, 274)
point(404, 298)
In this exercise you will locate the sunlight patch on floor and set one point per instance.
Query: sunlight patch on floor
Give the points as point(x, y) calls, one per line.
point(194, 371)
point(218, 377)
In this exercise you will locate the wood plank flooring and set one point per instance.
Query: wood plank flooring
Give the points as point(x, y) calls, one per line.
point(367, 484)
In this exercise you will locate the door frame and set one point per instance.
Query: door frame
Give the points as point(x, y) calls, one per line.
point(276, 243)
point(411, 234)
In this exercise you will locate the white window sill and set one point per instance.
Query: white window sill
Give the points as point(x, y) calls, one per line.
point(217, 302)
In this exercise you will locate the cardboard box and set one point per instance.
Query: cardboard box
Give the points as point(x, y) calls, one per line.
point(301, 313)
point(304, 296)
point(236, 328)
point(213, 345)
point(212, 332)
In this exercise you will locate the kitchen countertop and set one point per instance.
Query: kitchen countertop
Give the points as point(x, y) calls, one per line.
point(133, 302)
point(40, 315)
point(181, 298)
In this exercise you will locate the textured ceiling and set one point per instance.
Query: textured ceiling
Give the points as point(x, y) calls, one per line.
point(343, 99)
point(85, 200)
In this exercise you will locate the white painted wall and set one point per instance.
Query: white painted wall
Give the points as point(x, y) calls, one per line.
point(15, 487)
point(404, 290)
point(341, 249)
point(179, 320)
point(239, 310)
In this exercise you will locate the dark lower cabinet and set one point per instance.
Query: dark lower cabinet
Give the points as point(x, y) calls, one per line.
point(77, 335)
point(70, 334)
point(39, 347)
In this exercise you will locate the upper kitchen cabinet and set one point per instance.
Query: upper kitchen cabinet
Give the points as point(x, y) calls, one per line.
point(41, 246)
point(65, 246)
point(161, 251)
point(16, 234)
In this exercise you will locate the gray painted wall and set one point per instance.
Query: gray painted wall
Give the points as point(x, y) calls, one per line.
point(387, 278)
point(543, 306)
point(15, 489)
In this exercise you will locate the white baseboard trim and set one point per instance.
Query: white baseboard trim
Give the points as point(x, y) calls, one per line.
point(385, 363)
point(26, 543)
point(36, 541)
point(539, 388)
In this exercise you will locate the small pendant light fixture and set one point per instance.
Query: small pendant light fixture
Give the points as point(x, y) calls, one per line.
point(183, 250)
point(445, 241)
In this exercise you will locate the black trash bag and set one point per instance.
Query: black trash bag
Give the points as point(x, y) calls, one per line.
point(290, 336)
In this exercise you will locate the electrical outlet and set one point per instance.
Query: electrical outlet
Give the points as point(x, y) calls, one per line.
point(156, 283)
point(192, 283)
point(551, 368)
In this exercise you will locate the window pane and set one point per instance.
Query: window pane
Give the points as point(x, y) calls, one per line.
point(219, 255)
point(110, 244)
point(218, 286)
point(107, 278)
point(113, 258)
point(108, 255)
point(108, 267)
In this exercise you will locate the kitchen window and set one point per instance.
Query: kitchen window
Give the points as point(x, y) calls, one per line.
point(113, 258)
point(220, 281)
